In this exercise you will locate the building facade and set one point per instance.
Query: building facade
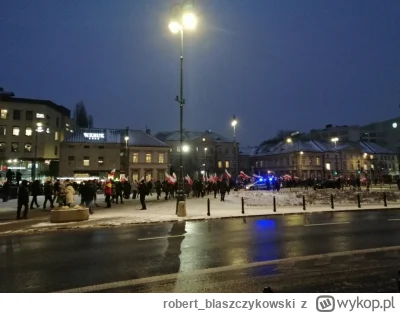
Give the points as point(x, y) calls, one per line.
point(97, 152)
point(325, 159)
point(204, 152)
point(30, 130)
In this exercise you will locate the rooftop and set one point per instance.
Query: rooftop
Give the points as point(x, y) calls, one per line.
point(7, 97)
point(138, 138)
point(191, 135)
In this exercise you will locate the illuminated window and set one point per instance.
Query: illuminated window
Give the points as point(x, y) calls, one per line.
point(148, 157)
point(328, 166)
point(3, 130)
point(227, 164)
point(135, 158)
point(100, 160)
point(219, 164)
point(4, 114)
point(86, 161)
point(178, 149)
point(147, 177)
point(28, 131)
point(14, 147)
point(55, 135)
point(15, 131)
point(161, 158)
point(318, 161)
point(135, 176)
point(39, 115)
point(28, 147)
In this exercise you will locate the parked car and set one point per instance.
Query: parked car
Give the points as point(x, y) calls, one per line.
point(327, 184)
point(259, 185)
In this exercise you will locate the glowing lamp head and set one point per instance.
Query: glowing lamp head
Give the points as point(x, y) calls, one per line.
point(189, 20)
point(185, 148)
point(234, 123)
point(174, 27)
point(394, 125)
point(289, 140)
point(126, 138)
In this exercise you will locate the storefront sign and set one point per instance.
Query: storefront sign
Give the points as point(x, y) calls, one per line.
point(93, 136)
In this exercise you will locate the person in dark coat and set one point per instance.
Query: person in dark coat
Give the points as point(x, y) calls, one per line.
point(222, 189)
point(143, 192)
point(6, 191)
point(88, 195)
point(118, 192)
point(35, 190)
point(158, 187)
point(23, 199)
point(48, 194)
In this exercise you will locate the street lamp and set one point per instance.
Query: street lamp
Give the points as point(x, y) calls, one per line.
point(126, 138)
point(335, 140)
point(234, 123)
point(183, 18)
point(205, 159)
point(38, 129)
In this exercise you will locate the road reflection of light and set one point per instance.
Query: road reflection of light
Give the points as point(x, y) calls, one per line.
point(293, 220)
point(340, 243)
point(295, 248)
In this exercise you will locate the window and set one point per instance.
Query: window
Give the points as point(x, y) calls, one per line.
point(29, 115)
point(328, 166)
point(71, 158)
point(317, 159)
point(2, 146)
point(161, 158)
point(135, 158)
point(57, 121)
point(28, 147)
point(147, 176)
point(220, 164)
point(16, 115)
point(148, 157)
point(55, 135)
point(14, 147)
point(28, 131)
point(3, 114)
point(135, 176)
point(15, 131)
point(100, 161)
point(55, 150)
point(178, 149)
point(39, 115)
point(227, 164)
point(3, 130)
point(71, 146)
point(86, 161)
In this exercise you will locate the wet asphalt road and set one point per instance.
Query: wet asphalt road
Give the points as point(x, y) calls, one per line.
point(57, 261)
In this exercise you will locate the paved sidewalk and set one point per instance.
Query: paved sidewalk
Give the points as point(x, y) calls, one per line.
point(159, 211)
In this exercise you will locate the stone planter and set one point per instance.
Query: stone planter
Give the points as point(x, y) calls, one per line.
point(70, 215)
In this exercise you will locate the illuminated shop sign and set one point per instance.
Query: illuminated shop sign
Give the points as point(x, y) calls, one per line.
point(93, 136)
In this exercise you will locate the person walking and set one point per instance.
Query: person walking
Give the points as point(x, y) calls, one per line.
point(23, 199)
point(143, 192)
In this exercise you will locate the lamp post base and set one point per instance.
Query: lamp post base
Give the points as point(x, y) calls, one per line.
point(180, 197)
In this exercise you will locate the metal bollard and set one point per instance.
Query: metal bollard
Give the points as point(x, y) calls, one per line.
point(304, 202)
point(332, 204)
point(274, 203)
point(208, 207)
point(384, 200)
point(358, 200)
point(242, 205)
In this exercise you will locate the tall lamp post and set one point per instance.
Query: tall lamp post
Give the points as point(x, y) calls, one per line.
point(127, 158)
point(234, 123)
point(38, 129)
point(335, 140)
point(182, 18)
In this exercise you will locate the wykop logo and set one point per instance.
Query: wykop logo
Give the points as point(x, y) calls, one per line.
point(325, 304)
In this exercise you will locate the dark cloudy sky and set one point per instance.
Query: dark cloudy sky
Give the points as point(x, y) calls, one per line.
point(277, 64)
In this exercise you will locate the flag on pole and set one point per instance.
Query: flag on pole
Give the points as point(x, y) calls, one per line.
point(243, 175)
point(228, 176)
point(188, 179)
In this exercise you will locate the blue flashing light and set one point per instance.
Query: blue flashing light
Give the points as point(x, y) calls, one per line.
point(261, 179)
point(270, 179)
point(269, 223)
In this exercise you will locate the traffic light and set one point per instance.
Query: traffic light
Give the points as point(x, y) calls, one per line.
point(335, 173)
point(358, 171)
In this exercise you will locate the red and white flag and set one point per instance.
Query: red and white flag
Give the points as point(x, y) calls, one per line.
point(188, 179)
point(256, 176)
point(174, 175)
point(228, 176)
point(243, 175)
point(113, 171)
point(211, 179)
point(170, 179)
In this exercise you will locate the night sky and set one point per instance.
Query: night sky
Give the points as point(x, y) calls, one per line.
point(282, 64)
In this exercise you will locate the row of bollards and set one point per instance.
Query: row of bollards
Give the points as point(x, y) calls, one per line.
point(303, 203)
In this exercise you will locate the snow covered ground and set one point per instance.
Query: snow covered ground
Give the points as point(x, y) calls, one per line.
point(257, 203)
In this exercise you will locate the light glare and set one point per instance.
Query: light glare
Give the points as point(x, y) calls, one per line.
point(174, 27)
point(189, 21)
